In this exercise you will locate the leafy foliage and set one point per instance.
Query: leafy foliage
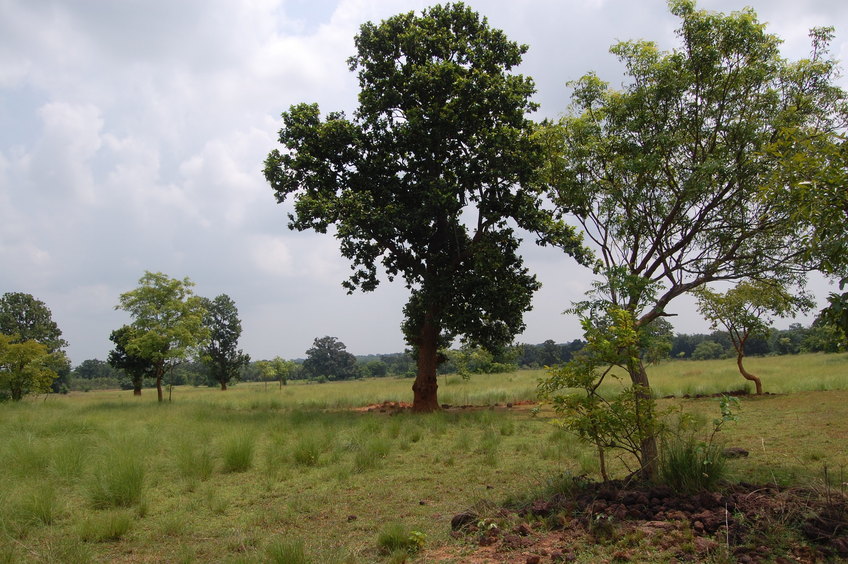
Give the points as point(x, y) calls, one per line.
point(745, 311)
point(426, 177)
point(328, 358)
point(29, 319)
point(167, 323)
point(135, 366)
point(620, 420)
point(220, 354)
point(25, 367)
point(674, 178)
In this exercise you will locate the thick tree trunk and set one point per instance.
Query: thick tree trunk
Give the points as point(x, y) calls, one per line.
point(136, 391)
point(747, 375)
point(159, 395)
point(649, 453)
point(223, 386)
point(425, 398)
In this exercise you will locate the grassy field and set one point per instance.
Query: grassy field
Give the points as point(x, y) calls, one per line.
point(263, 474)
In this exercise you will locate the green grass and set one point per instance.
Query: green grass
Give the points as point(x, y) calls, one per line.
point(250, 475)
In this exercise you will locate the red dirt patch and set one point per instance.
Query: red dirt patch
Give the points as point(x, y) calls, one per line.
point(746, 522)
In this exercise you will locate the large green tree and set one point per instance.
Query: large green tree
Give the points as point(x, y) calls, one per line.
point(747, 310)
point(428, 179)
point(221, 354)
point(667, 176)
point(29, 319)
point(167, 324)
point(329, 358)
point(26, 367)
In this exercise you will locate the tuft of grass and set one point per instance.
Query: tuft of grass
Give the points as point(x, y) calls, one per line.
point(238, 453)
point(118, 480)
point(38, 504)
point(194, 463)
point(690, 465)
point(105, 526)
point(307, 450)
point(396, 538)
point(286, 551)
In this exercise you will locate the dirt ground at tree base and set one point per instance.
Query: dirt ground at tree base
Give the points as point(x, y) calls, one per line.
point(611, 522)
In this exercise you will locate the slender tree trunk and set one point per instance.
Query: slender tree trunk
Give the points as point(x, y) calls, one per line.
point(747, 375)
point(159, 371)
point(425, 399)
point(649, 452)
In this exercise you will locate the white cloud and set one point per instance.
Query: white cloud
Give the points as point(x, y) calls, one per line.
point(132, 136)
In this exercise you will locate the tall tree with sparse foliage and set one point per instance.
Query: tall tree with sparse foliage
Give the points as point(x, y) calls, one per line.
point(668, 177)
point(167, 323)
point(429, 178)
point(221, 354)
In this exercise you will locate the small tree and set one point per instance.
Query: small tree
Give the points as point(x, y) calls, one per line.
point(328, 358)
point(746, 311)
point(276, 369)
point(25, 367)
point(167, 323)
point(220, 354)
point(135, 366)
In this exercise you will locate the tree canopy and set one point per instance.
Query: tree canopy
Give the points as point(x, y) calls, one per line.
point(25, 367)
point(135, 366)
point(26, 318)
point(221, 354)
point(426, 177)
point(167, 322)
point(328, 358)
point(674, 178)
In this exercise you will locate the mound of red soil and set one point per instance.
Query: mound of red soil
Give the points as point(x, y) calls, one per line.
point(747, 522)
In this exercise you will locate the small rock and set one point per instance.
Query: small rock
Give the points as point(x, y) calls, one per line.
point(523, 529)
point(533, 559)
point(351, 518)
point(734, 452)
point(462, 520)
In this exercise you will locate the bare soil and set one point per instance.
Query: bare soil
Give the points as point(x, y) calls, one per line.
point(616, 522)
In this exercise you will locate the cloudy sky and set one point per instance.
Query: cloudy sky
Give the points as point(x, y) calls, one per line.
point(132, 136)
